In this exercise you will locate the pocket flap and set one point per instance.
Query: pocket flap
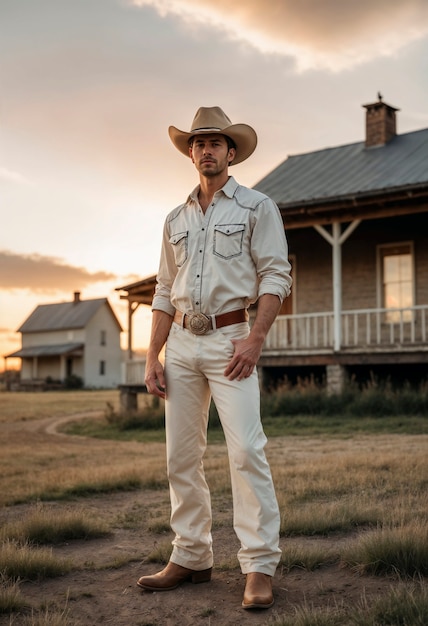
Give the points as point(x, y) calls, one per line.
point(230, 229)
point(174, 239)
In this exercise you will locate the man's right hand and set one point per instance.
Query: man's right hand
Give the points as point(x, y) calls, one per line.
point(155, 378)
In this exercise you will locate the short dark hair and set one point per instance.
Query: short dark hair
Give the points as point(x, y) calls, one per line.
point(230, 142)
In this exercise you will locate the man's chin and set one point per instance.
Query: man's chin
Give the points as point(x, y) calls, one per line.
point(209, 171)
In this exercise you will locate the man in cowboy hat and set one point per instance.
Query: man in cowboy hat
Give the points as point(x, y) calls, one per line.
point(223, 249)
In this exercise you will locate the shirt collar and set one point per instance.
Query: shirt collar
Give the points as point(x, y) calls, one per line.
point(228, 189)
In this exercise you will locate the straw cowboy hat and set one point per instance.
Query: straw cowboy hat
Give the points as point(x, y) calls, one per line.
point(212, 120)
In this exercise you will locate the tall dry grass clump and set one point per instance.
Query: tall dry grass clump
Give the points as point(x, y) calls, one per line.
point(400, 551)
point(49, 526)
point(23, 561)
point(11, 599)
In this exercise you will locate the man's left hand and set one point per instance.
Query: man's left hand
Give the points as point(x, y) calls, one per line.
point(244, 360)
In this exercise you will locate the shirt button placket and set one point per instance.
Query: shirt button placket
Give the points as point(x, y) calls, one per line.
point(199, 265)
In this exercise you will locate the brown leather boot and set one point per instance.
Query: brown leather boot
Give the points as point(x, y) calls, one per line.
point(258, 591)
point(172, 576)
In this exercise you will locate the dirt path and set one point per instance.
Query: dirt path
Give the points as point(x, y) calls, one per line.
point(48, 425)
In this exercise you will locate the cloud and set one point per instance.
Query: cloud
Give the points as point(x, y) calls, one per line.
point(332, 34)
point(14, 177)
point(44, 274)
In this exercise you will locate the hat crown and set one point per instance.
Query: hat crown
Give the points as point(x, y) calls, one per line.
point(210, 118)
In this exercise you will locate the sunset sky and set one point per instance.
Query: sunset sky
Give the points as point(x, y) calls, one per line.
point(88, 89)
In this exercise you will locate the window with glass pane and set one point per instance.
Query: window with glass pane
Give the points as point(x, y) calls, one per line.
point(397, 282)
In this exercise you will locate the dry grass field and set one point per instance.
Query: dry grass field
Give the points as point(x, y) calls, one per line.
point(17, 406)
point(341, 499)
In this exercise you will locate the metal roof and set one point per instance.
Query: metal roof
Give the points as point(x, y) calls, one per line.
point(64, 315)
point(349, 171)
point(54, 350)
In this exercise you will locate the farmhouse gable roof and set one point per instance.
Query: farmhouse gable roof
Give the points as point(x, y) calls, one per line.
point(65, 315)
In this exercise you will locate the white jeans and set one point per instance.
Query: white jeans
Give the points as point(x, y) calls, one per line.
point(194, 367)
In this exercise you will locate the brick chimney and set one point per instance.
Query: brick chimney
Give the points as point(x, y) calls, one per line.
point(76, 297)
point(380, 123)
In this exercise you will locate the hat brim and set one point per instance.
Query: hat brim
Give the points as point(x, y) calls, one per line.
point(244, 136)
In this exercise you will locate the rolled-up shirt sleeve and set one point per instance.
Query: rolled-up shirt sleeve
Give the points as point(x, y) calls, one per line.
point(165, 277)
point(269, 250)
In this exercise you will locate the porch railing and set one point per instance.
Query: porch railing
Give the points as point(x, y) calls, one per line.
point(133, 372)
point(362, 329)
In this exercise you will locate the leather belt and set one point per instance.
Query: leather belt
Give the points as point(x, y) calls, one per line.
point(200, 324)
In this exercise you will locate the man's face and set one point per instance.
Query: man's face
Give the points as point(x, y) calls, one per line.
point(210, 154)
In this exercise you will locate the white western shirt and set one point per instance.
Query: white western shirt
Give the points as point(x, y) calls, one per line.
point(225, 259)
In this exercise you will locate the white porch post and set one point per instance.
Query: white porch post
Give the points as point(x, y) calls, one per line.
point(337, 287)
point(130, 311)
point(336, 239)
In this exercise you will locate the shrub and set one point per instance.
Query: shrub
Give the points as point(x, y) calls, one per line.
point(73, 382)
point(373, 400)
point(149, 418)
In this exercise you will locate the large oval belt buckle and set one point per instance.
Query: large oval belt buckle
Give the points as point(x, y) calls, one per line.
point(199, 324)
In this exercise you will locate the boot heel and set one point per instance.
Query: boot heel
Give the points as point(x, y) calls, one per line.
point(203, 576)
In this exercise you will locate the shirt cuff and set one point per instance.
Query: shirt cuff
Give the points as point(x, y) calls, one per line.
point(274, 289)
point(160, 303)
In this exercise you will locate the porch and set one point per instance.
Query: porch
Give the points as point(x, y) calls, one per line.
point(368, 336)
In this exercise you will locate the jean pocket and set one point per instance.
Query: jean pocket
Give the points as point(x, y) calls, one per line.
point(235, 331)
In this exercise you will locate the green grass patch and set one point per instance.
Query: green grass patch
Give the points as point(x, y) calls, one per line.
point(279, 426)
point(304, 409)
point(342, 425)
point(102, 429)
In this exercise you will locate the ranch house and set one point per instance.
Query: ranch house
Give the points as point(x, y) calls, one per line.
point(80, 339)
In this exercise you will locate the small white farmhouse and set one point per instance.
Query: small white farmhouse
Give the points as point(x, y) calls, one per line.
point(79, 338)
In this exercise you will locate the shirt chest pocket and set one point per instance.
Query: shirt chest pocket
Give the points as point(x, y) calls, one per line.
point(179, 243)
point(228, 240)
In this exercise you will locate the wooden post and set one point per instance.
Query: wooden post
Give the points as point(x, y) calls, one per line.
point(128, 400)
